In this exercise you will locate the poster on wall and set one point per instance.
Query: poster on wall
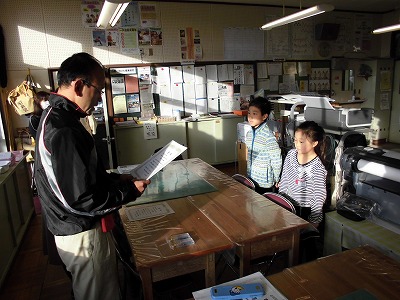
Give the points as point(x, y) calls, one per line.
point(99, 38)
point(190, 45)
point(144, 36)
point(90, 13)
point(131, 16)
point(319, 79)
point(156, 36)
point(144, 75)
point(133, 104)
point(362, 33)
point(129, 41)
point(119, 104)
point(131, 83)
point(149, 15)
point(112, 37)
point(117, 85)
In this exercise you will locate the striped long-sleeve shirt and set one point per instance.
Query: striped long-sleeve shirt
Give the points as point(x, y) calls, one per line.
point(264, 159)
point(306, 184)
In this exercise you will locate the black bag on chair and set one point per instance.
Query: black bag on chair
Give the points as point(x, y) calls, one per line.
point(301, 211)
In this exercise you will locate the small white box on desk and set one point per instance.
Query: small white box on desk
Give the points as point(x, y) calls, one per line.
point(242, 129)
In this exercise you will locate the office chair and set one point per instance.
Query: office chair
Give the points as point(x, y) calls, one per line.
point(244, 180)
point(281, 201)
point(308, 236)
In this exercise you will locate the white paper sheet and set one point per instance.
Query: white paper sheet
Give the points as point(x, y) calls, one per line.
point(176, 74)
point(262, 71)
point(225, 72)
point(188, 73)
point(158, 160)
point(200, 74)
point(150, 130)
point(163, 75)
point(140, 212)
point(118, 85)
point(211, 72)
point(212, 90)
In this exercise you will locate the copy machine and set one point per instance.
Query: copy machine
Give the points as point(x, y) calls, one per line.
point(373, 174)
point(320, 110)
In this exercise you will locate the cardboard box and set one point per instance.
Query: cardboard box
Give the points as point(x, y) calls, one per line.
point(242, 129)
point(242, 158)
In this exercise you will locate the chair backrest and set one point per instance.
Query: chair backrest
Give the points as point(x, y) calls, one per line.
point(280, 200)
point(244, 180)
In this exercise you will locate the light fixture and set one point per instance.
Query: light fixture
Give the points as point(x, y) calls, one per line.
point(387, 29)
point(306, 13)
point(111, 12)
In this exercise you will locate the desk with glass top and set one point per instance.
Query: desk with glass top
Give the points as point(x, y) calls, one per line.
point(217, 218)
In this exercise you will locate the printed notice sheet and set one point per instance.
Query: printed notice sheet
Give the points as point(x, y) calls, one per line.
point(158, 160)
point(148, 211)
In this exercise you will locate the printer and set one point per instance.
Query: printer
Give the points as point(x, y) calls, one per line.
point(373, 174)
point(320, 110)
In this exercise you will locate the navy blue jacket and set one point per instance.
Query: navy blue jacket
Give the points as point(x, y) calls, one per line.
point(74, 188)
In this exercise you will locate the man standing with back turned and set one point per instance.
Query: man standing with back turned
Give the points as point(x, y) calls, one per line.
point(76, 192)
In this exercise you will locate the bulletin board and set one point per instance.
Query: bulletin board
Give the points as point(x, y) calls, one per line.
point(145, 90)
point(168, 89)
point(284, 77)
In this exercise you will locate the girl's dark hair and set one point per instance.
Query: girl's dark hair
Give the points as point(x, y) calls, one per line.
point(80, 65)
point(262, 104)
point(39, 97)
point(315, 133)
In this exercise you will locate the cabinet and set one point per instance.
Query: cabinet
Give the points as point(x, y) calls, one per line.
point(132, 148)
point(213, 140)
point(16, 209)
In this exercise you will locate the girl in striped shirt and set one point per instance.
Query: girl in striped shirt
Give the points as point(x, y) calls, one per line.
point(304, 174)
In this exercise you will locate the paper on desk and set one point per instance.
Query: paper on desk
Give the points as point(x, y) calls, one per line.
point(158, 160)
point(257, 277)
point(148, 211)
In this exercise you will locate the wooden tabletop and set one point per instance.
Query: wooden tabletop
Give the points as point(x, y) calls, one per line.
point(363, 270)
point(149, 237)
point(229, 215)
point(242, 214)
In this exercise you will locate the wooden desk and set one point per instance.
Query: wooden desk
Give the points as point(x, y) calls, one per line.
point(156, 261)
point(232, 215)
point(255, 224)
point(363, 268)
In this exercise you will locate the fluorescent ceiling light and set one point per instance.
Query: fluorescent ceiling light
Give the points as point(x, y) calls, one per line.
point(309, 12)
point(111, 12)
point(118, 12)
point(386, 29)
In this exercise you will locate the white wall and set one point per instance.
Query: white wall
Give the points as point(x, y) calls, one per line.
point(40, 34)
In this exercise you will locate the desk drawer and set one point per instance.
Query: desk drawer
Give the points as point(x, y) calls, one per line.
point(179, 268)
point(271, 245)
